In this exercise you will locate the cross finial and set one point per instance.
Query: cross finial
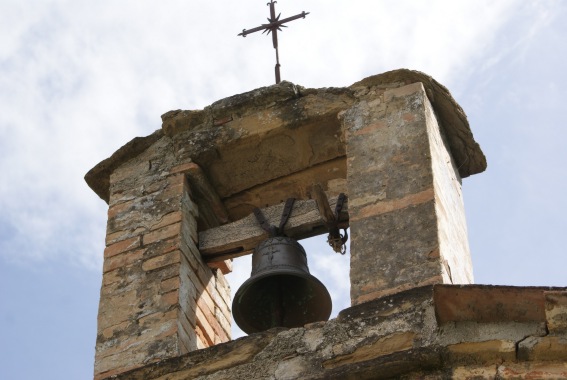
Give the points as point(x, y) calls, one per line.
point(274, 25)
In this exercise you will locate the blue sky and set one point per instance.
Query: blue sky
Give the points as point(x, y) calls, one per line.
point(78, 79)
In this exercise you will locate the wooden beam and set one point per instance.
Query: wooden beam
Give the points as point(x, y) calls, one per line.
point(211, 209)
point(322, 203)
point(241, 237)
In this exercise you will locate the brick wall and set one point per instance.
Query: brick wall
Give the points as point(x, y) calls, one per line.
point(404, 160)
point(405, 204)
point(158, 298)
point(433, 332)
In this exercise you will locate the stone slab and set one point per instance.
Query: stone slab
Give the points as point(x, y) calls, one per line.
point(489, 303)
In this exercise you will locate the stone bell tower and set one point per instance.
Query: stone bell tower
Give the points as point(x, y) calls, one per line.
point(397, 144)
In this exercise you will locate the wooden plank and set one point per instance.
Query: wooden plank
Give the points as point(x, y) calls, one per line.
point(322, 203)
point(212, 212)
point(241, 237)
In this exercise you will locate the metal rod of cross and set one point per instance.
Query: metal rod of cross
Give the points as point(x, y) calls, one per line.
point(274, 25)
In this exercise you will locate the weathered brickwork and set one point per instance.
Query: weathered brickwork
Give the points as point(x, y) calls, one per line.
point(454, 254)
point(408, 335)
point(556, 311)
point(405, 203)
point(157, 295)
point(396, 143)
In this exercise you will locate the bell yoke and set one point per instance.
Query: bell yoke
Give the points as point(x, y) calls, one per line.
point(280, 291)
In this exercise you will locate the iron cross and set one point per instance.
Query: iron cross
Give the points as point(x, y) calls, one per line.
point(274, 25)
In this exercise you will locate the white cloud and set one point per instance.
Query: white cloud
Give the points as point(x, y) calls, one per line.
point(78, 79)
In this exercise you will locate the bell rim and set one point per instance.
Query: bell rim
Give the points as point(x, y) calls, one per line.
point(236, 313)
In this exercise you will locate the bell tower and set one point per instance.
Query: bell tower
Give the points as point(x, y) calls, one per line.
point(181, 206)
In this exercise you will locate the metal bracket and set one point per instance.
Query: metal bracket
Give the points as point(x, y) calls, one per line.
point(274, 231)
point(336, 240)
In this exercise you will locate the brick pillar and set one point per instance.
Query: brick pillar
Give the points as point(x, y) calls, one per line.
point(406, 209)
point(158, 298)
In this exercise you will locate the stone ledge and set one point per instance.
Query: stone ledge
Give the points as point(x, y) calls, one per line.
point(222, 111)
point(98, 178)
point(466, 152)
point(490, 303)
point(294, 106)
point(393, 336)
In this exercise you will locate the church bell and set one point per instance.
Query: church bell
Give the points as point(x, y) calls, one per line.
point(280, 291)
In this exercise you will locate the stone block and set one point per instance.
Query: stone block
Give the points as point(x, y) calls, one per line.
point(169, 299)
point(474, 372)
point(169, 284)
point(164, 233)
point(200, 269)
point(188, 205)
point(162, 247)
point(386, 259)
point(190, 277)
point(189, 229)
point(490, 351)
point(386, 345)
point(122, 260)
point(119, 208)
point(201, 338)
point(148, 347)
point(399, 214)
point(207, 331)
point(224, 266)
point(117, 308)
point(451, 333)
point(115, 237)
point(189, 316)
point(543, 348)
point(224, 322)
point(489, 303)
point(160, 316)
point(556, 311)
point(166, 220)
point(109, 332)
point(211, 321)
point(538, 370)
point(183, 168)
point(157, 262)
point(132, 169)
point(222, 303)
point(222, 284)
point(121, 280)
point(275, 146)
point(122, 246)
point(370, 209)
point(206, 298)
point(291, 368)
point(187, 336)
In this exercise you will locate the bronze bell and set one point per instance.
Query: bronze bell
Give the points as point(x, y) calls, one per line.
point(280, 291)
